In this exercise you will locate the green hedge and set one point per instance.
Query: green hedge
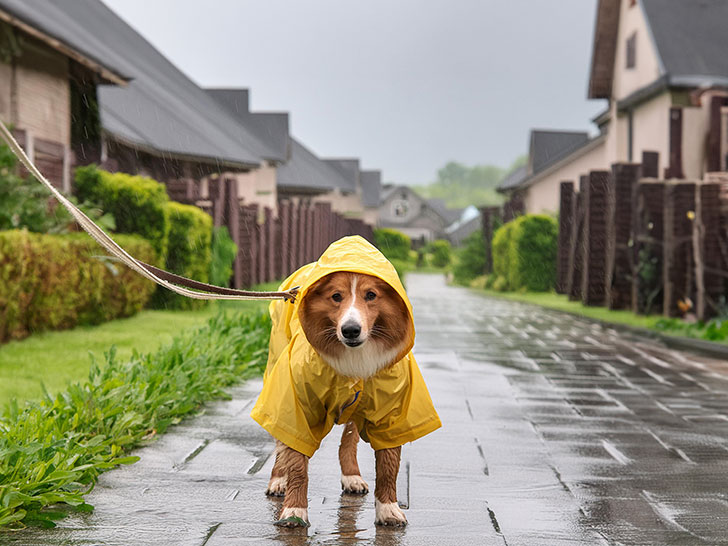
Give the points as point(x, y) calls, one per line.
point(441, 252)
point(189, 251)
point(524, 253)
point(394, 244)
point(53, 451)
point(58, 281)
point(224, 251)
point(470, 262)
point(137, 203)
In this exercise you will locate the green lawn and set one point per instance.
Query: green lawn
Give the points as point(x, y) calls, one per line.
point(54, 359)
point(562, 303)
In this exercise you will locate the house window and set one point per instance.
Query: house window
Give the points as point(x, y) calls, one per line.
point(632, 51)
point(400, 208)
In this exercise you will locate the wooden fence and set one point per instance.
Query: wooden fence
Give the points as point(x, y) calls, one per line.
point(629, 240)
point(271, 244)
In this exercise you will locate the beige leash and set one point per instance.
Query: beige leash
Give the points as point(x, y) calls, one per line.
point(168, 280)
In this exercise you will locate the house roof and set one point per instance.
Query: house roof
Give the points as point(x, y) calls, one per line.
point(161, 110)
point(306, 172)
point(514, 178)
point(348, 168)
point(448, 214)
point(58, 27)
point(270, 127)
point(546, 149)
point(371, 187)
point(689, 37)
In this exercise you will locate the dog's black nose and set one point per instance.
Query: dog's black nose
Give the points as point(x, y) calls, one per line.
point(351, 330)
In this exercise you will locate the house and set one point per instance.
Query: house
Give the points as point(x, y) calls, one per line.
point(47, 61)
point(662, 68)
point(371, 189)
point(401, 208)
point(259, 185)
point(462, 228)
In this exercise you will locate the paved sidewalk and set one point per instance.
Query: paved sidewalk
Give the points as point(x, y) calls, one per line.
point(555, 430)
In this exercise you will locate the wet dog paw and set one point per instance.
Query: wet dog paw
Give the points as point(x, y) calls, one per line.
point(293, 517)
point(354, 485)
point(276, 487)
point(389, 513)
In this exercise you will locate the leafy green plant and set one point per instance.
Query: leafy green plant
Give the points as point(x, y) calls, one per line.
point(534, 244)
point(393, 244)
point(224, 251)
point(441, 252)
point(470, 258)
point(53, 451)
point(137, 203)
point(59, 281)
point(188, 252)
point(501, 252)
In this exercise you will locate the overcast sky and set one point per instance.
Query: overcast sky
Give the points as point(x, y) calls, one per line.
point(405, 85)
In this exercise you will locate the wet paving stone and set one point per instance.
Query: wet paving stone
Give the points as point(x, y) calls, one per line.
point(556, 430)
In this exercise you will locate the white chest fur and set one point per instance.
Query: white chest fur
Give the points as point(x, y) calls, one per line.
point(362, 362)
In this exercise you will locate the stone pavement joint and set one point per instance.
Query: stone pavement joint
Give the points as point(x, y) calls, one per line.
point(556, 430)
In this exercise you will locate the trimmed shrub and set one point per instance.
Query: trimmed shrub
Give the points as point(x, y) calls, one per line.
point(50, 282)
point(224, 251)
point(137, 203)
point(54, 450)
point(441, 252)
point(393, 244)
point(188, 251)
point(501, 251)
point(534, 246)
point(470, 261)
point(524, 253)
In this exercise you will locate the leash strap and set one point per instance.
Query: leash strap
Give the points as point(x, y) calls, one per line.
point(181, 285)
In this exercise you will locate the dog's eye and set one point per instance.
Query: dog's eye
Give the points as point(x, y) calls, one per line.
point(337, 297)
point(370, 296)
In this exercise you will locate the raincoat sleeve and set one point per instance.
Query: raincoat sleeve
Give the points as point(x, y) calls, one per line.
point(289, 406)
point(397, 408)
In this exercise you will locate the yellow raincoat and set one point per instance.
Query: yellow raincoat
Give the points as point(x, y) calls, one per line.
point(303, 397)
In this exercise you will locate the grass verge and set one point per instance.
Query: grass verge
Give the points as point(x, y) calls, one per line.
point(715, 331)
point(54, 359)
point(53, 450)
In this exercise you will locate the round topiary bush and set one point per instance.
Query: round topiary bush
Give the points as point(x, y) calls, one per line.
point(533, 249)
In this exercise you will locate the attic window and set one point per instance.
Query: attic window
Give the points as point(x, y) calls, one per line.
point(632, 51)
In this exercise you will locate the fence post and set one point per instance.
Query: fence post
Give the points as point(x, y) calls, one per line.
point(675, 170)
point(649, 236)
point(566, 219)
point(620, 268)
point(706, 249)
point(576, 253)
point(677, 257)
point(248, 248)
point(310, 230)
point(650, 164)
point(301, 235)
point(284, 216)
point(595, 238)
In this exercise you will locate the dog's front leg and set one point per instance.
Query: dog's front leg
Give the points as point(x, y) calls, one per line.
point(351, 480)
point(295, 503)
point(385, 492)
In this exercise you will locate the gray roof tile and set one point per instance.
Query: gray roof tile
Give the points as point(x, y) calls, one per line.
point(371, 187)
point(305, 171)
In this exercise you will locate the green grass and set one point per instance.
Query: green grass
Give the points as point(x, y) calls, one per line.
point(53, 450)
point(562, 303)
point(54, 359)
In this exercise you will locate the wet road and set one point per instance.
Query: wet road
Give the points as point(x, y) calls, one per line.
point(555, 430)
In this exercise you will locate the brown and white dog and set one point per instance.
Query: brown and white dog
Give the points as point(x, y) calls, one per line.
point(359, 325)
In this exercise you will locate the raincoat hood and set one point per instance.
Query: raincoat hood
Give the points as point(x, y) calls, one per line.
point(303, 397)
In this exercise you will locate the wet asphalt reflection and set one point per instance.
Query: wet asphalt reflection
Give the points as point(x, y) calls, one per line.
point(555, 430)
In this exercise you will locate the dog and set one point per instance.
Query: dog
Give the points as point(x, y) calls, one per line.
point(342, 355)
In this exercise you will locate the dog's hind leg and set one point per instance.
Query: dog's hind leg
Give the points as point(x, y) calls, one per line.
point(351, 480)
point(295, 503)
point(385, 493)
point(277, 483)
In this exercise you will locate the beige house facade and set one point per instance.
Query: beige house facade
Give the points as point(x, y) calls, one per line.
point(662, 67)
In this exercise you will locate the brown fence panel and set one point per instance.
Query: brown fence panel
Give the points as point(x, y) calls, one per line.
point(576, 252)
point(248, 248)
point(708, 259)
point(649, 234)
point(619, 254)
point(595, 239)
point(566, 218)
point(677, 256)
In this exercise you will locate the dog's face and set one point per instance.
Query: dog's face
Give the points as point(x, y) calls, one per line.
point(346, 311)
